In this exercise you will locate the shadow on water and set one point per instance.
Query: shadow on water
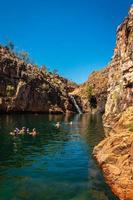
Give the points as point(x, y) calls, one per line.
point(55, 165)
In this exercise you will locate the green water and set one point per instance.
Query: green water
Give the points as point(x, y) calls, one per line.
point(55, 165)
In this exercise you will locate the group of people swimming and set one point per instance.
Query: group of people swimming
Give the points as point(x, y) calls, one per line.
point(58, 124)
point(34, 132)
point(23, 131)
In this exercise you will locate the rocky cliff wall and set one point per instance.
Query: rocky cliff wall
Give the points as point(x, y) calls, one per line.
point(27, 88)
point(120, 83)
point(113, 85)
point(97, 81)
point(115, 153)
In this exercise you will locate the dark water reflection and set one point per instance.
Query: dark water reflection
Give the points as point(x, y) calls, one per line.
point(55, 165)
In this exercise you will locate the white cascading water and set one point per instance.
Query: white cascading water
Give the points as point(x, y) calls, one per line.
point(75, 104)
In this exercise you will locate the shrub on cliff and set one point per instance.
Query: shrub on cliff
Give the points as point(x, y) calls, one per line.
point(89, 91)
point(91, 97)
point(24, 56)
point(10, 46)
point(44, 69)
point(130, 127)
point(10, 90)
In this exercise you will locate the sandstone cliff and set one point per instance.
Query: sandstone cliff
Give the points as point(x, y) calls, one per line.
point(98, 82)
point(120, 84)
point(27, 88)
point(115, 153)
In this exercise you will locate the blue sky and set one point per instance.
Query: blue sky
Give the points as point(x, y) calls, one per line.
point(73, 36)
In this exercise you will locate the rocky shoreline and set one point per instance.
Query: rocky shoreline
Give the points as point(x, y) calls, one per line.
point(115, 156)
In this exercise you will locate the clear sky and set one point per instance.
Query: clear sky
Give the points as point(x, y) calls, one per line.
point(73, 36)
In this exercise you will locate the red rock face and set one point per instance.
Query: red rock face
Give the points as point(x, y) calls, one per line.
point(115, 156)
point(115, 153)
point(120, 84)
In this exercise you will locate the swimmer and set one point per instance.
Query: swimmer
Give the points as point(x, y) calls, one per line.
point(22, 131)
point(34, 132)
point(27, 131)
point(57, 125)
point(14, 133)
point(71, 123)
point(17, 130)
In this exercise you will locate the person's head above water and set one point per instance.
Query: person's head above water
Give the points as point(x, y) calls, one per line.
point(15, 132)
point(57, 125)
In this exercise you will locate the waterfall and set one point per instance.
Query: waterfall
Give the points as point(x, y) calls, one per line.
point(75, 104)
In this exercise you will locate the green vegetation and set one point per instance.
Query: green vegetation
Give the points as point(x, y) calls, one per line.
point(24, 56)
point(10, 45)
point(72, 83)
point(91, 97)
point(55, 71)
point(130, 127)
point(45, 87)
point(44, 69)
point(10, 90)
point(89, 92)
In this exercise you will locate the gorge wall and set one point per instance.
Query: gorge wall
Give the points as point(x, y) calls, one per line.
point(97, 82)
point(27, 88)
point(115, 153)
point(120, 83)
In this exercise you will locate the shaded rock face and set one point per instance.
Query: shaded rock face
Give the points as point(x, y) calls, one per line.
point(115, 153)
point(98, 81)
point(26, 88)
